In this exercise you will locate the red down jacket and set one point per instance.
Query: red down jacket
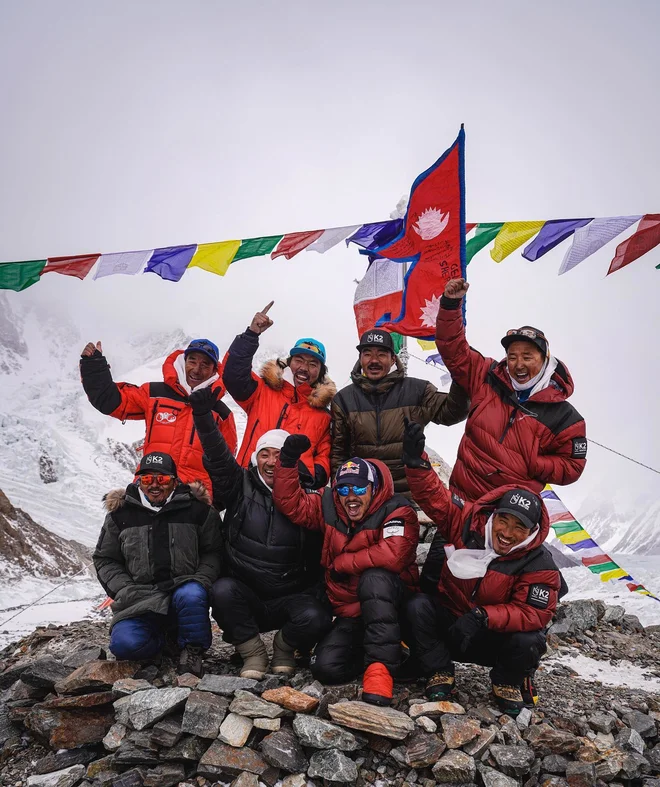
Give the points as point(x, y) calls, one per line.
point(352, 549)
point(164, 408)
point(531, 444)
point(519, 591)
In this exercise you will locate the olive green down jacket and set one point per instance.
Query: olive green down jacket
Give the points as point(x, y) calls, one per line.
point(367, 418)
point(143, 554)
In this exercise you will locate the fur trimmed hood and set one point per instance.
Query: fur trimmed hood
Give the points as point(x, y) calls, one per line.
point(116, 498)
point(319, 395)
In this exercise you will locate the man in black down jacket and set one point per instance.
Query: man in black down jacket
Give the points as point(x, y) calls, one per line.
point(272, 567)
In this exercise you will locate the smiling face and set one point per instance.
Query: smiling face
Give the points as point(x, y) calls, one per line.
point(375, 362)
point(356, 506)
point(508, 532)
point(305, 369)
point(524, 360)
point(199, 368)
point(266, 461)
point(156, 493)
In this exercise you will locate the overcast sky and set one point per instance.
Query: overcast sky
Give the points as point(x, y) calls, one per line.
point(129, 125)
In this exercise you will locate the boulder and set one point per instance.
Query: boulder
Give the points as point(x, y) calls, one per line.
point(148, 707)
point(514, 761)
point(581, 774)
point(291, 699)
point(83, 656)
point(493, 778)
point(455, 767)
point(167, 732)
point(554, 763)
point(247, 704)
point(225, 685)
point(630, 740)
point(67, 777)
point(235, 730)
point(479, 745)
point(423, 749)
point(165, 775)
point(641, 723)
point(387, 722)
point(45, 673)
point(322, 734)
point(80, 700)
point(546, 740)
point(66, 729)
point(272, 725)
point(58, 761)
point(333, 765)
point(204, 714)
point(222, 760)
point(96, 676)
point(189, 747)
point(459, 730)
point(614, 615)
point(126, 686)
point(114, 737)
point(602, 721)
point(282, 750)
point(130, 754)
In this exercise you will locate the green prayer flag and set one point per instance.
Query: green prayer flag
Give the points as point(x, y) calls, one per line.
point(257, 247)
point(483, 235)
point(397, 340)
point(20, 275)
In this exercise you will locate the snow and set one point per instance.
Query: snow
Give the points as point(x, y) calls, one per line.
point(624, 673)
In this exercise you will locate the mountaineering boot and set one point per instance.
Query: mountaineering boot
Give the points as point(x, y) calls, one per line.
point(441, 685)
point(284, 659)
point(191, 660)
point(377, 685)
point(509, 699)
point(255, 658)
point(528, 690)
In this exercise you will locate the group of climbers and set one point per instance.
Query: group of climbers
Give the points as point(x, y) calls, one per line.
point(332, 568)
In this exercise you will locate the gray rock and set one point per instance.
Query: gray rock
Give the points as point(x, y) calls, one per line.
point(283, 750)
point(479, 745)
point(204, 714)
point(148, 707)
point(247, 780)
point(247, 704)
point(322, 734)
point(296, 780)
point(524, 718)
point(632, 624)
point(614, 615)
point(333, 765)
point(609, 768)
point(165, 775)
point(114, 737)
point(127, 686)
point(493, 778)
point(643, 724)
point(426, 724)
point(653, 756)
point(67, 777)
point(132, 778)
point(45, 673)
point(188, 748)
point(581, 774)
point(130, 754)
point(84, 656)
point(220, 759)
point(314, 689)
point(602, 721)
point(386, 722)
point(630, 740)
point(423, 749)
point(513, 760)
point(272, 725)
point(455, 767)
point(121, 707)
point(459, 730)
point(235, 730)
point(579, 615)
point(225, 685)
point(634, 766)
point(546, 740)
point(58, 761)
point(554, 763)
point(167, 732)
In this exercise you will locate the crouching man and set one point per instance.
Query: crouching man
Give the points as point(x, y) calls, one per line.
point(157, 556)
point(370, 538)
point(489, 585)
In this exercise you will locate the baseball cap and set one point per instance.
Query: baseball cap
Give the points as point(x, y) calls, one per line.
point(204, 346)
point(157, 462)
point(376, 338)
point(526, 334)
point(309, 346)
point(357, 472)
point(524, 505)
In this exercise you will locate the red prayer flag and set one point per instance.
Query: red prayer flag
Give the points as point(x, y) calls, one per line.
point(295, 242)
point(469, 227)
point(78, 266)
point(644, 239)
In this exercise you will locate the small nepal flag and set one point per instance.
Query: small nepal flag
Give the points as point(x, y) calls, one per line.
point(433, 240)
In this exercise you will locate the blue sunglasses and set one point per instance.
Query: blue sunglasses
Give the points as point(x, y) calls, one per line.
point(344, 491)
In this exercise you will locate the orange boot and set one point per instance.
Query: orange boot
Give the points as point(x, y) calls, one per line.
point(377, 685)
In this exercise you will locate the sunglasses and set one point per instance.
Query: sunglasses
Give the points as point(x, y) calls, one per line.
point(530, 333)
point(205, 346)
point(147, 479)
point(345, 491)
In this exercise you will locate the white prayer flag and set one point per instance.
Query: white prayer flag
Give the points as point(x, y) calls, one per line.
point(126, 262)
point(331, 238)
point(594, 236)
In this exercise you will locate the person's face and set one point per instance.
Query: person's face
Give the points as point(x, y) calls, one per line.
point(155, 492)
point(266, 461)
point(356, 506)
point(508, 532)
point(305, 369)
point(376, 362)
point(199, 368)
point(524, 360)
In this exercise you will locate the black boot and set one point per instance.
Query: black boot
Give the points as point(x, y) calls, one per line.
point(191, 660)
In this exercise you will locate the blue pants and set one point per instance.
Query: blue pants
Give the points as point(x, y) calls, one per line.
point(142, 638)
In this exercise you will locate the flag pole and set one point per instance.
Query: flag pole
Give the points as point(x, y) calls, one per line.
point(404, 355)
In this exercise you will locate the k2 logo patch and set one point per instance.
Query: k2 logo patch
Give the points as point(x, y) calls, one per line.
point(579, 448)
point(539, 596)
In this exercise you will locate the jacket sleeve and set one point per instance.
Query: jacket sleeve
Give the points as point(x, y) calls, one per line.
point(467, 366)
point(532, 603)
point(564, 458)
point(224, 471)
point(432, 568)
point(431, 496)
point(393, 552)
point(301, 507)
point(341, 436)
point(322, 458)
point(210, 549)
point(445, 408)
point(238, 377)
point(120, 400)
point(109, 561)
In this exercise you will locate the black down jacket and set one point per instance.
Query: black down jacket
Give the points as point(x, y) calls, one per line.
point(263, 548)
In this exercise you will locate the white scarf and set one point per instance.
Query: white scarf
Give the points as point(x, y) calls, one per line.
point(540, 381)
point(473, 563)
point(148, 504)
point(180, 368)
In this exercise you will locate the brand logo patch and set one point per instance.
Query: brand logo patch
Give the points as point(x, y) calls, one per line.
point(375, 337)
point(350, 467)
point(579, 448)
point(539, 596)
point(154, 460)
point(163, 417)
point(519, 500)
point(393, 528)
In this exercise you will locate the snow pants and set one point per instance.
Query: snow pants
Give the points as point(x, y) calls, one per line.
point(511, 655)
point(142, 638)
point(375, 636)
point(242, 614)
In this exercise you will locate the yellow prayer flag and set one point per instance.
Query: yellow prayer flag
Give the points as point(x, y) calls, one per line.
point(426, 345)
point(574, 538)
point(615, 573)
point(215, 257)
point(512, 235)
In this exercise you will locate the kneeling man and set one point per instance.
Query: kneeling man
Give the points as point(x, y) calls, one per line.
point(157, 556)
point(490, 586)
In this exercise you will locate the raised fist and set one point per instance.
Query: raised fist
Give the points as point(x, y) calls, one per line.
point(261, 321)
point(456, 288)
point(294, 447)
point(413, 444)
point(204, 400)
point(90, 349)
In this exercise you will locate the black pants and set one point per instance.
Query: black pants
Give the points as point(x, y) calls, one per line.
point(512, 656)
point(242, 614)
point(354, 643)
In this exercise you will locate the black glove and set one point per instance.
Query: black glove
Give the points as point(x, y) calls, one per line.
point(338, 576)
point(222, 410)
point(294, 447)
point(466, 628)
point(413, 444)
point(204, 401)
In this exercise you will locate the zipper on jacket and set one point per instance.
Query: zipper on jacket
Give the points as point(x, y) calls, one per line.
point(377, 409)
point(192, 435)
point(249, 442)
point(282, 414)
point(473, 595)
point(153, 416)
point(510, 423)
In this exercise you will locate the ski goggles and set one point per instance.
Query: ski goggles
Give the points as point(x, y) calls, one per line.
point(147, 479)
point(345, 491)
point(529, 333)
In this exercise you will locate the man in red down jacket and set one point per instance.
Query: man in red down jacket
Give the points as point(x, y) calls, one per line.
point(489, 585)
point(164, 406)
point(370, 538)
point(521, 429)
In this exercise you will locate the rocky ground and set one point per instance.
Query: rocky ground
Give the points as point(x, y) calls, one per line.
point(69, 717)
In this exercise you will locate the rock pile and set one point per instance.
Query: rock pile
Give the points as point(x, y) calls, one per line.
point(69, 717)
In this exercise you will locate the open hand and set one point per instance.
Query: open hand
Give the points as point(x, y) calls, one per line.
point(91, 348)
point(261, 321)
point(204, 400)
point(456, 288)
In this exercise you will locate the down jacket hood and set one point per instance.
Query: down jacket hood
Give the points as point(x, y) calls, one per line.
point(116, 498)
point(384, 492)
point(560, 388)
point(318, 396)
point(171, 376)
